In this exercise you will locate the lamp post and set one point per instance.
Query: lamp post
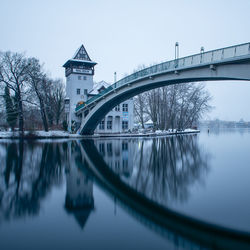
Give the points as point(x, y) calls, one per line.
point(68, 112)
point(114, 77)
point(176, 54)
point(176, 50)
point(202, 52)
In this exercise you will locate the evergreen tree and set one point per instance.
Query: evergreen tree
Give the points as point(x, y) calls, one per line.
point(10, 106)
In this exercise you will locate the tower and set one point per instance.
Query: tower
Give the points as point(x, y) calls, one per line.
point(79, 73)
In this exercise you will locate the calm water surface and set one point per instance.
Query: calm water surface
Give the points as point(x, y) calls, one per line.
point(53, 197)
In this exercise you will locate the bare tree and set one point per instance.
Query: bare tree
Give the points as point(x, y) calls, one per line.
point(193, 103)
point(140, 109)
point(38, 84)
point(152, 101)
point(58, 97)
point(13, 74)
point(50, 95)
point(31, 89)
point(176, 106)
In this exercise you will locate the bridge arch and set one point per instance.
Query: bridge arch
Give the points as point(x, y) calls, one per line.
point(234, 67)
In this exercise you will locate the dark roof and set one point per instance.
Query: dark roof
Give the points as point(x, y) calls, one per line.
point(79, 62)
point(81, 54)
point(80, 57)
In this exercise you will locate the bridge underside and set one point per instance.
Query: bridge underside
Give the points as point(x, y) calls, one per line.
point(229, 71)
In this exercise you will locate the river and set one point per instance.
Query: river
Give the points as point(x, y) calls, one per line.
point(123, 193)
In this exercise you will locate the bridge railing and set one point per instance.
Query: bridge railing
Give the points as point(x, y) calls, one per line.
point(210, 57)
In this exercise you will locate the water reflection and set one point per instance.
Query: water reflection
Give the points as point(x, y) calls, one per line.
point(28, 173)
point(218, 131)
point(143, 176)
point(163, 169)
point(172, 165)
point(79, 199)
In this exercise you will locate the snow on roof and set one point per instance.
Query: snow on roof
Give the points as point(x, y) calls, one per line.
point(97, 86)
point(81, 60)
point(149, 122)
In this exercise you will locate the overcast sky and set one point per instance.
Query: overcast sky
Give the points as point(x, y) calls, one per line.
point(120, 35)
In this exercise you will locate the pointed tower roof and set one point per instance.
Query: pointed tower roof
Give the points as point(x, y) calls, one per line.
point(80, 57)
point(81, 54)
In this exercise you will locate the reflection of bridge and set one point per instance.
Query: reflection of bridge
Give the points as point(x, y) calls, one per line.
point(209, 235)
point(231, 63)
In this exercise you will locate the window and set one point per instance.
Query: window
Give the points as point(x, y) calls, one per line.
point(109, 149)
point(85, 91)
point(124, 164)
point(85, 78)
point(101, 125)
point(109, 122)
point(78, 91)
point(124, 146)
point(124, 124)
point(125, 107)
point(102, 149)
point(79, 78)
point(117, 108)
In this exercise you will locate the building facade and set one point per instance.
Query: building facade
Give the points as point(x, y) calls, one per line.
point(79, 72)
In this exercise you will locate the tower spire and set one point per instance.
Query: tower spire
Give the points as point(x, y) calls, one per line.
point(81, 54)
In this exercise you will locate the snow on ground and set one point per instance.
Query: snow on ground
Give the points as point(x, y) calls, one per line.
point(63, 134)
point(54, 133)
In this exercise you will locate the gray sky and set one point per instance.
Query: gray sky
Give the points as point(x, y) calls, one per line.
point(120, 35)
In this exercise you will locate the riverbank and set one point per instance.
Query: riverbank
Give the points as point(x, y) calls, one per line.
point(152, 134)
point(56, 134)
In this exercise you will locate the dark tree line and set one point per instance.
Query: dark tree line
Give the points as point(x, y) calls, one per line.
point(28, 91)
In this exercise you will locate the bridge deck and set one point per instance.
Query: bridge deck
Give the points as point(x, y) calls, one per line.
point(217, 56)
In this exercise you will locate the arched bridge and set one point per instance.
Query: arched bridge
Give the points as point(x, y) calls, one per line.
point(230, 63)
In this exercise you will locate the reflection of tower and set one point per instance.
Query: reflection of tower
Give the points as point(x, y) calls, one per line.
point(79, 195)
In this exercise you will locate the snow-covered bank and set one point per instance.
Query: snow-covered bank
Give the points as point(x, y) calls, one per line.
point(153, 134)
point(63, 134)
point(38, 134)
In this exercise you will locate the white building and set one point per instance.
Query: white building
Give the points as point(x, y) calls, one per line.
point(80, 87)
